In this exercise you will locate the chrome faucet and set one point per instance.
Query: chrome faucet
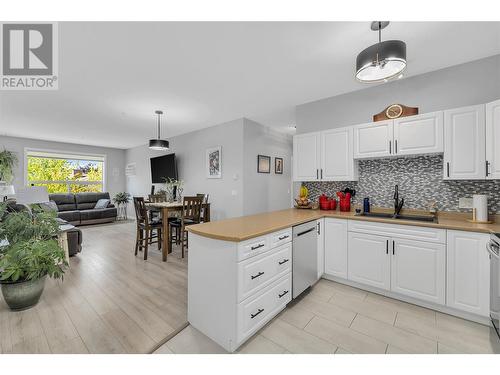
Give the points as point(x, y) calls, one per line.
point(398, 204)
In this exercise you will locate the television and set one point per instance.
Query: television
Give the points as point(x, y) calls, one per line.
point(163, 167)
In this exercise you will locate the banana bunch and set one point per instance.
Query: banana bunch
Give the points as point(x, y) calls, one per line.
point(304, 193)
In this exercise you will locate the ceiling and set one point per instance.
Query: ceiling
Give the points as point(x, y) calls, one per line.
point(112, 76)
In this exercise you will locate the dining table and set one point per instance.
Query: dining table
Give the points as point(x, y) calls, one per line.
point(165, 208)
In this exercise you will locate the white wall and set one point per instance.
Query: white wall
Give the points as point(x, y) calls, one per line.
point(265, 192)
point(241, 190)
point(190, 152)
point(114, 168)
point(461, 85)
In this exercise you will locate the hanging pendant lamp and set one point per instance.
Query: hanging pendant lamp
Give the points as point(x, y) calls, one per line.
point(382, 61)
point(158, 144)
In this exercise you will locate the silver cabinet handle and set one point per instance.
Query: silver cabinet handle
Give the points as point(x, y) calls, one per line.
point(321, 173)
point(257, 247)
point(283, 237)
point(280, 295)
point(487, 169)
point(390, 147)
point(283, 261)
point(317, 174)
point(396, 146)
point(393, 251)
point(448, 169)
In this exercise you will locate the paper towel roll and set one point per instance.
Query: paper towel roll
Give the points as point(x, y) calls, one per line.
point(480, 204)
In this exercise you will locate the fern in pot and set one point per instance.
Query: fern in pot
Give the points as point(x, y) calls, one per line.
point(29, 253)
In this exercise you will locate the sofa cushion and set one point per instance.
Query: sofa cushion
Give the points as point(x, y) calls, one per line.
point(49, 206)
point(105, 213)
point(101, 203)
point(87, 201)
point(65, 202)
point(70, 216)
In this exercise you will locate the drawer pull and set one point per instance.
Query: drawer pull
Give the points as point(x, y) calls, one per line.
point(258, 275)
point(257, 313)
point(283, 237)
point(257, 247)
point(283, 261)
point(283, 294)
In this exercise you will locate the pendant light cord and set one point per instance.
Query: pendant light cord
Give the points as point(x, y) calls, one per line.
point(159, 114)
point(379, 31)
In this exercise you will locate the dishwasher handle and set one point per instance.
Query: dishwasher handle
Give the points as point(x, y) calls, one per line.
point(491, 249)
point(306, 231)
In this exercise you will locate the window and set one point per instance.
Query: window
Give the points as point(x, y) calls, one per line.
point(65, 173)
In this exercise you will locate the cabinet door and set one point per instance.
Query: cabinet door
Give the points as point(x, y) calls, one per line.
point(468, 280)
point(306, 157)
point(421, 134)
point(464, 146)
point(369, 261)
point(373, 140)
point(336, 247)
point(493, 140)
point(320, 229)
point(418, 269)
point(337, 158)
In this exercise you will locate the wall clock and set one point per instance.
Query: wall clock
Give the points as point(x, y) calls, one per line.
point(395, 111)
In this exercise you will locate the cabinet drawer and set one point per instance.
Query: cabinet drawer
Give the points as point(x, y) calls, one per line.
point(257, 272)
point(279, 238)
point(253, 314)
point(408, 232)
point(252, 247)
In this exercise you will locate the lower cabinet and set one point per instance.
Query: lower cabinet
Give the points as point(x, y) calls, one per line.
point(468, 280)
point(418, 269)
point(335, 242)
point(369, 261)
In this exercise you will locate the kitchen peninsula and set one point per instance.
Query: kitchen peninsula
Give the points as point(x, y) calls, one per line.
point(240, 273)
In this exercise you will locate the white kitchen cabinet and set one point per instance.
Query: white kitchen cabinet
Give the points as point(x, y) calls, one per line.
point(306, 157)
point(369, 261)
point(493, 140)
point(464, 147)
point(420, 134)
point(373, 140)
point(320, 230)
point(418, 269)
point(337, 157)
point(468, 277)
point(335, 231)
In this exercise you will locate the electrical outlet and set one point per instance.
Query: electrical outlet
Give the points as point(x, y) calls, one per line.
point(465, 203)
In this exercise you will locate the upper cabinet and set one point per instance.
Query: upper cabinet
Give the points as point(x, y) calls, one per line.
point(306, 157)
point(324, 156)
point(373, 140)
point(493, 140)
point(464, 147)
point(337, 162)
point(413, 135)
point(421, 134)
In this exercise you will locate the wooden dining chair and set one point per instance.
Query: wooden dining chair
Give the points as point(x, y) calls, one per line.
point(203, 208)
point(190, 215)
point(146, 228)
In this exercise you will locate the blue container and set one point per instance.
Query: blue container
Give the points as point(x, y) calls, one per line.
point(366, 205)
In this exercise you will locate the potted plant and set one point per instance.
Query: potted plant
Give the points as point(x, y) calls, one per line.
point(29, 252)
point(121, 200)
point(7, 161)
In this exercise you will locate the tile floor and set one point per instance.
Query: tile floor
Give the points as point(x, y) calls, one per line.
point(335, 318)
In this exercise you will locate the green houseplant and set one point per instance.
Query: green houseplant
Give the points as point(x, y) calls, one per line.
point(29, 252)
point(8, 160)
point(121, 200)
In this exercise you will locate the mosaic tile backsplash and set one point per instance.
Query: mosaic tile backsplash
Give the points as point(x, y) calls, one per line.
point(420, 181)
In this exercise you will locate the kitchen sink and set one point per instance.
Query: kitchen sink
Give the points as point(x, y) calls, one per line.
point(385, 215)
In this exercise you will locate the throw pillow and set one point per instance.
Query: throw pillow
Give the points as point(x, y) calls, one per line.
point(49, 206)
point(102, 203)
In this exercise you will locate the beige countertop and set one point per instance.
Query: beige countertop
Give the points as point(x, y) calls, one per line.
point(246, 227)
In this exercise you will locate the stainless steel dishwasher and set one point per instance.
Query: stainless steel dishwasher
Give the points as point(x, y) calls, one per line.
point(304, 257)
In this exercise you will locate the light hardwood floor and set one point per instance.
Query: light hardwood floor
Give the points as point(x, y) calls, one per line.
point(334, 318)
point(109, 302)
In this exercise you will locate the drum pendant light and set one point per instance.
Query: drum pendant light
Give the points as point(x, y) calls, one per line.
point(158, 144)
point(382, 61)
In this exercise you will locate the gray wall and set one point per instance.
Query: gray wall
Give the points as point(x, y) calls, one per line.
point(190, 151)
point(467, 84)
point(265, 192)
point(115, 159)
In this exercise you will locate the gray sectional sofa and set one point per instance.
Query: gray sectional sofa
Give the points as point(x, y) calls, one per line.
point(79, 208)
